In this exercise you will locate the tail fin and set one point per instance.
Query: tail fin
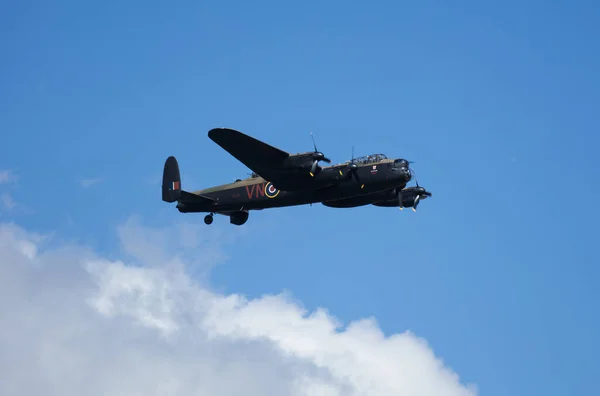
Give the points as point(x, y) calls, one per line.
point(171, 183)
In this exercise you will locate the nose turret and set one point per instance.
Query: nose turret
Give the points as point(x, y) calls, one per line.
point(401, 166)
point(401, 163)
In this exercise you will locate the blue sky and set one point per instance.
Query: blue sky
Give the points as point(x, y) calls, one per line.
point(494, 103)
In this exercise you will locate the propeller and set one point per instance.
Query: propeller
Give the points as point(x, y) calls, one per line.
point(317, 156)
point(352, 168)
point(418, 191)
point(421, 194)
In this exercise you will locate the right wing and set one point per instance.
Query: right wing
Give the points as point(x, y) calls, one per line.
point(265, 160)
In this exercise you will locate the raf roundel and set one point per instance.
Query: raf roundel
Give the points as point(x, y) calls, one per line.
point(271, 191)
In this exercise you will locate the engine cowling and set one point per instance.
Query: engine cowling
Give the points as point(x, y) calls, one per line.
point(349, 202)
point(410, 198)
point(239, 218)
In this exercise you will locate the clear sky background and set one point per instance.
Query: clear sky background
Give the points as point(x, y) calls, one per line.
point(495, 102)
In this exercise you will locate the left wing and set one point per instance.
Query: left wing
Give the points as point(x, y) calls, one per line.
point(265, 160)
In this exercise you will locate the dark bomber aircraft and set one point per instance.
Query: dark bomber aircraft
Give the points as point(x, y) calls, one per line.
point(281, 179)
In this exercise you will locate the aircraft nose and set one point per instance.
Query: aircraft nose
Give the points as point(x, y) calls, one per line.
point(402, 167)
point(408, 174)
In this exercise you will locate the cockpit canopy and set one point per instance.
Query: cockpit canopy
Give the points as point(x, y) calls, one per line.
point(369, 159)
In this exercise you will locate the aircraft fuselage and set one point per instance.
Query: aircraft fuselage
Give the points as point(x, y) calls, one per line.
point(257, 193)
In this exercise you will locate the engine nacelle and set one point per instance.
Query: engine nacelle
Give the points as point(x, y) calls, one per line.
point(411, 197)
point(349, 202)
point(301, 160)
point(239, 218)
point(408, 200)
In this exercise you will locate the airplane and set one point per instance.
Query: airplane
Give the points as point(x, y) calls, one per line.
point(280, 179)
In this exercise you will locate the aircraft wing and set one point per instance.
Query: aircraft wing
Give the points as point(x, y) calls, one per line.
point(263, 159)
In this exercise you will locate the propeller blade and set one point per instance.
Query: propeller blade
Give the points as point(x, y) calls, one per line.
point(313, 140)
point(352, 170)
point(414, 174)
point(313, 168)
point(317, 156)
point(400, 200)
point(352, 173)
point(414, 208)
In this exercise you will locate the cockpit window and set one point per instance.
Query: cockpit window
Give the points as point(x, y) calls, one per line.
point(368, 159)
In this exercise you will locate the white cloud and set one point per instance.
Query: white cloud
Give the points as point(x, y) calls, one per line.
point(7, 176)
point(9, 206)
point(85, 183)
point(7, 201)
point(74, 323)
